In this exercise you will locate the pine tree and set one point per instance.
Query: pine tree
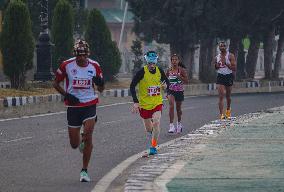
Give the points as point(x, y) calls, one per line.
point(17, 43)
point(62, 32)
point(103, 50)
point(136, 49)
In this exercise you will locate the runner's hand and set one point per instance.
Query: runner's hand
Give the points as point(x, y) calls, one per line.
point(217, 65)
point(228, 65)
point(180, 76)
point(72, 100)
point(164, 85)
point(135, 108)
point(98, 81)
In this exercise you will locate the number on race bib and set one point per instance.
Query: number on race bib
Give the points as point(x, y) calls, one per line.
point(81, 83)
point(154, 90)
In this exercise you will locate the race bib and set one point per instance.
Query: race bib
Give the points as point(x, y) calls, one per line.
point(222, 65)
point(81, 83)
point(154, 90)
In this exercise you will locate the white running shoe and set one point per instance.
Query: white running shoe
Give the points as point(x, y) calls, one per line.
point(172, 128)
point(179, 127)
point(84, 177)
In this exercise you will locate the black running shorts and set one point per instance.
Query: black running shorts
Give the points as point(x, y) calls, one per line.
point(77, 115)
point(226, 80)
point(178, 95)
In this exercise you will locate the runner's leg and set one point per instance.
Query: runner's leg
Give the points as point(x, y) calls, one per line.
point(228, 96)
point(221, 91)
point(148, 129)
point(171, 99)
point(87, 138)
point(178, 109)
point(156, 128)
point(74, 136)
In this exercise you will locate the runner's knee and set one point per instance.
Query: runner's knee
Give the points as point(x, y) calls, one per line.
point(74, 145)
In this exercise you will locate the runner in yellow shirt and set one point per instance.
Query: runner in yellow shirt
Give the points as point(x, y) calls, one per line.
point(151, 80)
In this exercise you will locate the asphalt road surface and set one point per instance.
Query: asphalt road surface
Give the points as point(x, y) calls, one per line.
point(35, 155)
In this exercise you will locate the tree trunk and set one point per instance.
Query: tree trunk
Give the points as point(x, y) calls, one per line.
point(241, 62)
point(234, 46)
point(188, 60)
point(252, 56)
point(268, 51)
point(207, 53)
point(280, 48)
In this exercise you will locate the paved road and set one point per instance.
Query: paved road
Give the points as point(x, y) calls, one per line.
point(35, 154)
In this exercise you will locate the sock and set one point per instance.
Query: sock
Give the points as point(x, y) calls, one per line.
point(84, 170)
point(154, 143)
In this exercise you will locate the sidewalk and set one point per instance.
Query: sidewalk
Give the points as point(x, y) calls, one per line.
point(244, 154)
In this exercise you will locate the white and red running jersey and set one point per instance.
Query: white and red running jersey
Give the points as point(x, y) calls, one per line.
point(78, 80)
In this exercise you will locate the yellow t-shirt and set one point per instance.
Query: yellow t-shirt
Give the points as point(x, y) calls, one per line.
point(150, 92)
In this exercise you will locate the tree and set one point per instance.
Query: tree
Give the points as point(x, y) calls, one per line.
point(136, 49)
point(17, 43)
point(103, 50)
point(251, 59)
point(62, 32)
point(173, 23)
point(280, 48)
point(115, 57)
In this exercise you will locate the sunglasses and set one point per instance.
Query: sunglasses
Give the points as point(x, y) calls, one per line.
point(151, 54)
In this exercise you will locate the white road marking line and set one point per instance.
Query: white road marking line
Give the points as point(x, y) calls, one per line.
point(114, 104)
point(110, 122)
point(33, 116)
point(16, 140)
point(56, 113)
point(62, 112)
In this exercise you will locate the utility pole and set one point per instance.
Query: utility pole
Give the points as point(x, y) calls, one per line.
point(1, 56)
point(43, 47)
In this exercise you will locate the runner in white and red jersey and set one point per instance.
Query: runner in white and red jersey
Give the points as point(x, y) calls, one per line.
point(79, 75)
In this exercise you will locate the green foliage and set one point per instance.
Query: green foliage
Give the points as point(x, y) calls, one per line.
point(17, 43)
point(246, 43)
point(136, 49)
point(62, 32)
point(3, 4)
point(103, 50)
point(116, 59)
point(81, 17)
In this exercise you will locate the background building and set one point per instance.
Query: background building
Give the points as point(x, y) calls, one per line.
point(113, 12)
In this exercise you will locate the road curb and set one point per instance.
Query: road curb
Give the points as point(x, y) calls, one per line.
point(190, 90)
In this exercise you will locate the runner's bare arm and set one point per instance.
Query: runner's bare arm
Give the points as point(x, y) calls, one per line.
point(214, 62)
point(233, 65)
point(183, 76)
point(56, 85)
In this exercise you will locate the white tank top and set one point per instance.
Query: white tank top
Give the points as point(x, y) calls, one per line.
point(224, 70)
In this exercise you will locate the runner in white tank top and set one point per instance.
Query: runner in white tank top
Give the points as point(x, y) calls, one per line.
point(225, 65)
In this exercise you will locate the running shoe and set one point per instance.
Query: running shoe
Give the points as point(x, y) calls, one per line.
point(228, 113)
point(172, 128)
point(84, 177)
point(145, 155)
point(153, 151)
point(179, 127)
point(222, 116)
